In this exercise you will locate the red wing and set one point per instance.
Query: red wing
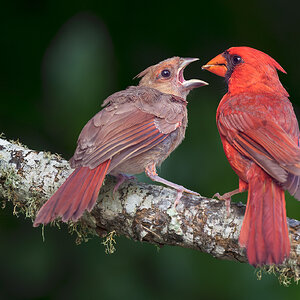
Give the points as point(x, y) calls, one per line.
point(263, 141)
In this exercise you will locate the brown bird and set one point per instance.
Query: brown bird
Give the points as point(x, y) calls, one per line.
point(136, 131)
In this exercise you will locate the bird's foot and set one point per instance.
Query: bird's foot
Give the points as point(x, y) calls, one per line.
point(120, 179)
point(180, 190)
point(151, 173)
point(227, 198)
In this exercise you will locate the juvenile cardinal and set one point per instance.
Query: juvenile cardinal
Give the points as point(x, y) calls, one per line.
point(136, 131)
point(260, 137)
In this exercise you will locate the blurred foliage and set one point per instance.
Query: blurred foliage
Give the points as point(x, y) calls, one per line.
point(60, 60)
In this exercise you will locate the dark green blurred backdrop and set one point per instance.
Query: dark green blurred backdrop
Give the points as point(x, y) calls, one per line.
point(59, 61)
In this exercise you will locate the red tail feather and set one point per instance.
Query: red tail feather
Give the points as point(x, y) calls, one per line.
point(264, 231)
point(78, 193)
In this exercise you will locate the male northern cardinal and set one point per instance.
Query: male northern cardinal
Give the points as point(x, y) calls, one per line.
point(135, 132)
point(260, 137)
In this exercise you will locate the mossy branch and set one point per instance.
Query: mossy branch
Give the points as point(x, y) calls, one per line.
point(139, 211)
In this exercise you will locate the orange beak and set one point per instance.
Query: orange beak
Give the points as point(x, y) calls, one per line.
point(217, 65)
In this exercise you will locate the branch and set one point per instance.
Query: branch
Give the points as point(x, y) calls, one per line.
point(139, 211)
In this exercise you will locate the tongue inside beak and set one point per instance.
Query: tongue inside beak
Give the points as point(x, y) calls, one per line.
point(192, 83)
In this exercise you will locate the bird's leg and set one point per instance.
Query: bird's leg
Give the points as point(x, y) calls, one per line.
point(227, 198)
point(120, 179)
point(150, 171)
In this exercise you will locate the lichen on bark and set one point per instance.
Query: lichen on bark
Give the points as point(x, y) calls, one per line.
point(139, 211)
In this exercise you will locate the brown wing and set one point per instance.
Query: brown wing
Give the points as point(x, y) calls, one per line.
point(256, 134)
point(134, 121)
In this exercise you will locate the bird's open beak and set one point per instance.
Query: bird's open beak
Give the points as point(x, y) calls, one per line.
point(192, 83)
point(217, 65)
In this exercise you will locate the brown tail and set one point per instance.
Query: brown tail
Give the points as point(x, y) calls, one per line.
point(78, 193)
point(264, 231)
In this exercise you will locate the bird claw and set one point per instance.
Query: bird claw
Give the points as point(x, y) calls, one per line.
point(178, 197)
point(151, 173)
point(227, 198)
point(120, 180)
point(180, 192)
point(190, 192)
point(218, 196)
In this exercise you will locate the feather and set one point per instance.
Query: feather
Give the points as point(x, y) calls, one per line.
point(77, 193)
point(260, 136)
point(264, 231)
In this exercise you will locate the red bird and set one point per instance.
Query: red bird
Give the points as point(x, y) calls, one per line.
point(260, 136)
point(135, 132)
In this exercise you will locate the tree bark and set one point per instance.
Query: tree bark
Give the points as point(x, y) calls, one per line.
point(139, 211)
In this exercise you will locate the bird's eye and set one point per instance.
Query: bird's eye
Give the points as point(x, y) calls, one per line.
point(236, 60)
point(165, 73)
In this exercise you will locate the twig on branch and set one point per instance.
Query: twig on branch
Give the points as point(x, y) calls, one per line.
point(139, 211)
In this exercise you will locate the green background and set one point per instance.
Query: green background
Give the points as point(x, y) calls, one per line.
point(59, 61)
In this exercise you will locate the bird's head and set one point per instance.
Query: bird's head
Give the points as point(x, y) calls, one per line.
point(167, 77)
point(246, 68)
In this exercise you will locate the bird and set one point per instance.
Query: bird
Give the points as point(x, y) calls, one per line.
point(135, 132)
point(260, 136)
